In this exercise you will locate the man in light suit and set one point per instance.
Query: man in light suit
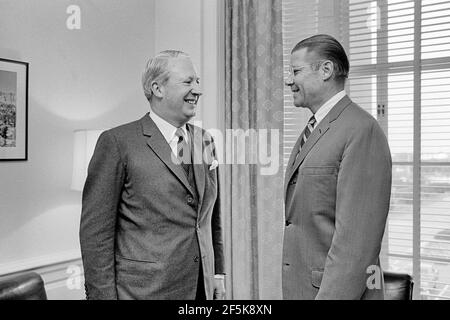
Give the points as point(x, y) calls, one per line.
point(150, 224)
point(337, 184)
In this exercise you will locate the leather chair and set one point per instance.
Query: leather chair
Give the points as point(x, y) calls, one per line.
point(24, 286)
point(398, 286)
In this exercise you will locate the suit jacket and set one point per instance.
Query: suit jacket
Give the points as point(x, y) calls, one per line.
point(143, 234)
point(337, 197)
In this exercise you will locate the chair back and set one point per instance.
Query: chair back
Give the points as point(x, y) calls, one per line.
point(24, 286)
point(398, 286)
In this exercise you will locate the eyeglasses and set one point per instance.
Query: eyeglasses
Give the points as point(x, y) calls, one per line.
point(300, 68)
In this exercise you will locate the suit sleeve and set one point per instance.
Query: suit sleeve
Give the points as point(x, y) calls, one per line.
point(362, 204)
point(101, 195)
point(217, 230)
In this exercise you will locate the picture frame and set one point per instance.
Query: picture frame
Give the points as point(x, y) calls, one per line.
point(13, 110)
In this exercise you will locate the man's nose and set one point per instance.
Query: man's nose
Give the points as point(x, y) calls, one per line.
point(289, 81)
point(197, 90)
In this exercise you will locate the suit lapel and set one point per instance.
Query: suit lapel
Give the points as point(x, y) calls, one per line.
point(196, 141)
point(294, 150)
point(290, 165)
point(162, 149)
point(317, 133)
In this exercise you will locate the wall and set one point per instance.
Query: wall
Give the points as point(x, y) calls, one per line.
point(87, 78)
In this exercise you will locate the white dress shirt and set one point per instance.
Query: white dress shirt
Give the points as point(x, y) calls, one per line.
point(327, 106)
point(168, 131)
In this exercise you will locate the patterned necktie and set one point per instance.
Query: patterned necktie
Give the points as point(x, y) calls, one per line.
point(309, 128)
point(183, 151)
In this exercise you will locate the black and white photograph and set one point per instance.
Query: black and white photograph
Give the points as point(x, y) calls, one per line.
point(249, 153)
point(13, 110)
point(8, 81)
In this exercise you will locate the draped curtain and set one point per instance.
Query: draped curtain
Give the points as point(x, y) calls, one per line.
point(253, 100)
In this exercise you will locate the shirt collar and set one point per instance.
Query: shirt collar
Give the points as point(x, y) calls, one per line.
point(327, 106)
point(167, 129)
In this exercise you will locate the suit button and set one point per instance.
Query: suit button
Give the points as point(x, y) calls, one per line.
point(190, 200)
point(288, 223)
point(196, 259)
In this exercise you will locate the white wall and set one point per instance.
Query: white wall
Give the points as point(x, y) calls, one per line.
point(88, 78)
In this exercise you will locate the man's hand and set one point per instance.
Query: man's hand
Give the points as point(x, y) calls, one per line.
point(219, 289)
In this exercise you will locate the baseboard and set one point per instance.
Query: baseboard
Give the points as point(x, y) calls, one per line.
point(37, 262)
point(64, 281)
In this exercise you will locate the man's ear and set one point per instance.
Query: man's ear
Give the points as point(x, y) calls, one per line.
point(157, 90)
point(327, 69)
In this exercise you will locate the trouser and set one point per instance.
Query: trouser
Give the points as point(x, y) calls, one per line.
point(200, 295)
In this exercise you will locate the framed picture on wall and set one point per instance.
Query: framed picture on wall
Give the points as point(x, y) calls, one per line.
point(13, 110)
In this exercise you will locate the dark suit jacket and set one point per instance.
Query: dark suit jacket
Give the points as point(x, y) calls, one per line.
point(337, 201)
point(142, 233)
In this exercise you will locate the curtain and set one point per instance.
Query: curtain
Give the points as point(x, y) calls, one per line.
point(253, 103)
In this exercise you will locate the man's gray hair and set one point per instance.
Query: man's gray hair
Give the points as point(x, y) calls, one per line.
point(156, 70)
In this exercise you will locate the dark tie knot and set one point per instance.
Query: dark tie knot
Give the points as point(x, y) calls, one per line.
point(180, 134)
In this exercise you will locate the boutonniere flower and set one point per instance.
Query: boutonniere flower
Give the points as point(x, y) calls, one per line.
point(214, 165)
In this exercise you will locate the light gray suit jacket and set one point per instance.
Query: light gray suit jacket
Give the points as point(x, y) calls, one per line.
point(142, 234)
point(337, 196)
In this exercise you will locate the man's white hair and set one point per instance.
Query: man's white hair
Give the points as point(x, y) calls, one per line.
point(156, 70)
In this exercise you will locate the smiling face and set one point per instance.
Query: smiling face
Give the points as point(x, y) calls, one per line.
point(180, 93)
point(305, 82)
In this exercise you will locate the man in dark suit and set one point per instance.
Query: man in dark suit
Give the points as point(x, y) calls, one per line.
point(337, 184)
point(150, 223)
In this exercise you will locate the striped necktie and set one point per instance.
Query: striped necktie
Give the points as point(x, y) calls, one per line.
point(309, 128)
point(184, 154)
point(183, 151)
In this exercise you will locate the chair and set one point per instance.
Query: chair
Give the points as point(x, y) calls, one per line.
point(24, 286)
point(398, 286)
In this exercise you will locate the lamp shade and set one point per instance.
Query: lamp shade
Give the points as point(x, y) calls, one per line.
point(84, 142)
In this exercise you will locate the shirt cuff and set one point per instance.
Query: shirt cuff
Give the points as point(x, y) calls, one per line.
point(219, 276)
